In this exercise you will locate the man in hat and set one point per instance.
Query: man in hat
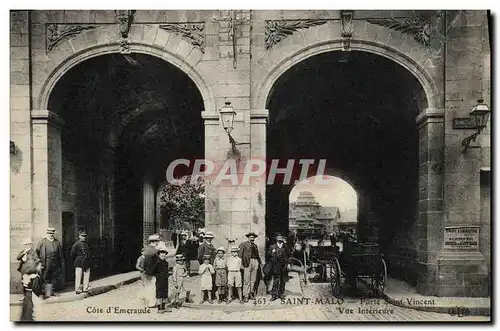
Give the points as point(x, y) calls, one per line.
point(25, 255)
point(249, 254)
point(207, 248)
point(49, 252)
point(277, 257)
point(80, 254)
point(183, 249)
point(150, 259)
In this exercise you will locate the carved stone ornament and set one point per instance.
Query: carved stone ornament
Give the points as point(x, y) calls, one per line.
point(58, 32)
point(417, 26)
point(125, 19)
point(276, 31)
point(346, 21)
point(125, 46)
point(192, 32)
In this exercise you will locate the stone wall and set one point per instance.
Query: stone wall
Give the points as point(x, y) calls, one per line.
point(242, 70)
point(20, 133)
point(464, 273)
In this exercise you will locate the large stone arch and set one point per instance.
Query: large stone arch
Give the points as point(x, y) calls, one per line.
point(47, 70)
point(424, 63)
point(145, 39)
point(419, 60)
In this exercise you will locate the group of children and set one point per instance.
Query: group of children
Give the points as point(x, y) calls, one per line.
point(227, 276)
point(227, 273)
point(159, 269)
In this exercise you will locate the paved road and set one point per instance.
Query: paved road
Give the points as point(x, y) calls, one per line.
point(95, 309)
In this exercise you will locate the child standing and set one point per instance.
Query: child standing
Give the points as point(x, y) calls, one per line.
point(33, 289)
point(206, 271)
point(160, 271)
point(234, 273)
point(179, 273)
point(220, 265)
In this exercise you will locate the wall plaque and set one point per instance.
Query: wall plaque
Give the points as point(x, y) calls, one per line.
point(461, 237)
point(464, 123)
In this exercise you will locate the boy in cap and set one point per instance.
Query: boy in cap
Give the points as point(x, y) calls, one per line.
point(206, 271)
point(178, 274)
point(183, 249)
point(234, 273)
point(160, 271)
point(80, 254)
point(220, 265)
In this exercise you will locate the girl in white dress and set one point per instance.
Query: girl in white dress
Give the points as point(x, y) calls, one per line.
point(206, 271)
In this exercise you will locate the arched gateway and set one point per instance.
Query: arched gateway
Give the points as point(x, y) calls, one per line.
point(187, 64)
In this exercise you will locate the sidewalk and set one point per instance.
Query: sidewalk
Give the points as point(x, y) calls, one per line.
point(293, 290)
point(400, 293)
point(99, 286)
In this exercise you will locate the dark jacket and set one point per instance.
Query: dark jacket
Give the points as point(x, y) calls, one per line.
point(184, 249)
point(245, 253)
point(160, 271)
point(50, 260)
point(30, 256)
point(206, 249)
point(80, 254)
point(277, 259)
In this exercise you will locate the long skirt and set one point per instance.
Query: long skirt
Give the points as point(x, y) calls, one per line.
point(148, 293)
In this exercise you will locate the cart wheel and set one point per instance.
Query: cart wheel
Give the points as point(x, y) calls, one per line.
point(335, 277)
point(380, 280)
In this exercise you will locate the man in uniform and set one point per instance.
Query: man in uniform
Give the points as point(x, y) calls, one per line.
point(80, 254)
point(49, 252)
point(277, 257)
point(207, 248)
point(249, 254)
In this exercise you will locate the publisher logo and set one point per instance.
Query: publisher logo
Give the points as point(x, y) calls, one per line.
point(459, 311)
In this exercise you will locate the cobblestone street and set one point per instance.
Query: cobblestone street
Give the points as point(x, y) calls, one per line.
point(94, 309)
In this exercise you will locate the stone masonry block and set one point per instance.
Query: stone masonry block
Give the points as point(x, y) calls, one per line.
point(79, 16)
point(194, 57)
point(19, 39)
point(19, 53)
point(137, 32)
point(161, 38)
point(173, 43)
point(20, 103)
point(19, 78)
point(184, 49)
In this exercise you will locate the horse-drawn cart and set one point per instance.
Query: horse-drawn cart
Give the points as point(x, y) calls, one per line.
point(361, 262)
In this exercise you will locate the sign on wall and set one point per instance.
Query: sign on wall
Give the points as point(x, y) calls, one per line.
point(461, 237)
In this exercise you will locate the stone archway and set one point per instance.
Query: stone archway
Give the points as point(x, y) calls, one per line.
point(47, 124)
point(430, 125)
point(150, 40)
point(278, 67)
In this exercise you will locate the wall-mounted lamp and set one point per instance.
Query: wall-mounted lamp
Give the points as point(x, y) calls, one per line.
point(227, 115)
point(477, 120)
